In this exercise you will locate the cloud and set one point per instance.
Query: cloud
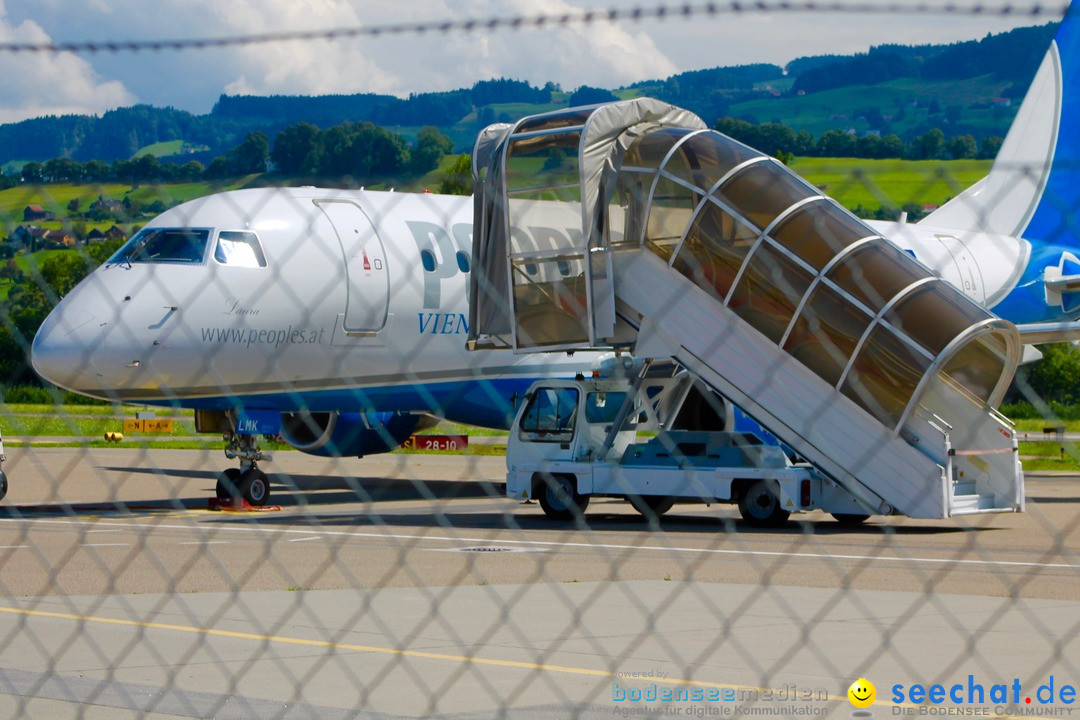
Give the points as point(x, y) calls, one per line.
point(601, 54)
point(35, 84)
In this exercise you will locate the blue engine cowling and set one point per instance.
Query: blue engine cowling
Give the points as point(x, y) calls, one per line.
point(349, 434)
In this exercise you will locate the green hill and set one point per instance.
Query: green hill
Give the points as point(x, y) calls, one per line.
point(964, 88)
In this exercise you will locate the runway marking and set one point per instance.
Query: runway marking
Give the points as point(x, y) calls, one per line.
point(586, 546)
point(375, 649)
point(204, 542)
point(106, 544)
point(419, 654)
point(305, 539)
point(13, 547)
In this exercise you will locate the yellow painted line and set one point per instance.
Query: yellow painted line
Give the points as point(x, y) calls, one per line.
point(329, 644)
point(489, 662)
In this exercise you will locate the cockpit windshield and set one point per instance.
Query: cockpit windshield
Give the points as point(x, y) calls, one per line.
point(164, 245)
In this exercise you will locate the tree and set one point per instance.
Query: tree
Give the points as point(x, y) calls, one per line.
point(298, 149)
point(218, 169)
point(457, 178)
point(963, 147)
point(60, 170)
point(836, 143)
point(32, 172)
point(776, 139)
point(586, 95)
point(63, 271)
point(96, 171)
point(146, 168)
point(1057, 375)
point(929, 146)
point(740, 130)
point(991, 144)
point(363, 150)
point(251, 154)
point(430, 147)
point(190, 171)
point(10, 271)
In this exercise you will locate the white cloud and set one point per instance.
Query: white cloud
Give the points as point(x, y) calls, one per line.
point(602, 54)
point(35, 84)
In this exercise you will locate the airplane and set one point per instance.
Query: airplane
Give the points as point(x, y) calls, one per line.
point(333, 318)
point(338, 318)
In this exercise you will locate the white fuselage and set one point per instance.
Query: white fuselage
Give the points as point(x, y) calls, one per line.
point(359, 290)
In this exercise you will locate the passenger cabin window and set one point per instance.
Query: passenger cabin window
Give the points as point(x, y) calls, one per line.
point(237, 248)
point(185, 246)
point(550, 414)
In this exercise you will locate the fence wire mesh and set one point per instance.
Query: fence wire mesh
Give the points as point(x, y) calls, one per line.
point(145, 574)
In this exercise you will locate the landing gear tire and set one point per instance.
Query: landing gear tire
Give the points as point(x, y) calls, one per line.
point(254, 487)
point(652, 506)
point(850, 519)
point(3, 484)
point(228, 484)
point(760, 507)
point(559, 497)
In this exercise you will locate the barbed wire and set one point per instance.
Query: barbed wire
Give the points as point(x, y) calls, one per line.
point(541, 21)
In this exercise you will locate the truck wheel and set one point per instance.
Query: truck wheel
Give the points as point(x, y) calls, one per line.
point(760, 507)
point(850, 518)
point(559, 497)
point(651, 506)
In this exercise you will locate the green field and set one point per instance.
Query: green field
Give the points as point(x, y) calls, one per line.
point(55, 198)
point(906, 98)
point(169, 148)
point(890, 183)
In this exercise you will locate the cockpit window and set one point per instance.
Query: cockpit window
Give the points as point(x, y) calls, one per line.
point(164, 245)
point(239, 249)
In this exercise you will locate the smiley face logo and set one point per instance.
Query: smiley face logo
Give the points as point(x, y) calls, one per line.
point(862, 693)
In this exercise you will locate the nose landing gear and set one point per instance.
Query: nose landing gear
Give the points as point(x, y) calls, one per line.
point(248, 482)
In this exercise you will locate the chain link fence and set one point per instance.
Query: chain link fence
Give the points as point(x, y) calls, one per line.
point(354, 554)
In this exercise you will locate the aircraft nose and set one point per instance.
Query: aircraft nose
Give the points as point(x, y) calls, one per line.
point(63, 347)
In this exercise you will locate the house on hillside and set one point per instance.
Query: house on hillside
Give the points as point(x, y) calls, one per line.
point(32, 213)
point(96, 236)
point(115, 233)
point(107, 205)
point(59, 237)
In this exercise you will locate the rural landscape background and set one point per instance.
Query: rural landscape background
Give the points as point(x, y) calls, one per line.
point(896, 129)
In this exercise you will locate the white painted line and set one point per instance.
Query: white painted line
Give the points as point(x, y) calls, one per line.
point(205, 542)
point(13, 547)
point(318, 537)
point(583, 545)
point(106, 544)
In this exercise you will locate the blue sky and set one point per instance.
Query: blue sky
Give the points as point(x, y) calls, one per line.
point(602, 55)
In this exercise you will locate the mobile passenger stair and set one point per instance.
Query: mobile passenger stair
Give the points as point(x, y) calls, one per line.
point(631, 226)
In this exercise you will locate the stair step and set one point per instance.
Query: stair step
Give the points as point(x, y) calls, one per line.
point(972, 503)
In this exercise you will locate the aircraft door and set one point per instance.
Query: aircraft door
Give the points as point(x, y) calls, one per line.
point(367, 278)
point(971, 281)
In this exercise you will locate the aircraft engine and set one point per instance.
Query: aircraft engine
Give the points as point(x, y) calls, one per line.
point(350, 434)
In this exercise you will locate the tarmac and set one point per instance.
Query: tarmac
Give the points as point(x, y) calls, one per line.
point(406, 586)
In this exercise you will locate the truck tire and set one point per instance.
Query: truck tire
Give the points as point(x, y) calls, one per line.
point(760, 507)
point(850, 519)
point(651, 506)
point(559, 497)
